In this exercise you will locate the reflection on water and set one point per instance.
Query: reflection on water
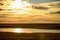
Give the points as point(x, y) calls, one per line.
point(28, 30)
point(29, 34)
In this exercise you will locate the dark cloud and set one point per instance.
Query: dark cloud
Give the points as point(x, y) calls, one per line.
point(58, 12)
point(39, 7)
point(1, 9)
point(1, 4)
point(55, 4)
point(55, 13)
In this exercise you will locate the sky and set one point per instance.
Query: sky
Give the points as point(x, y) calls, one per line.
point(42, 1)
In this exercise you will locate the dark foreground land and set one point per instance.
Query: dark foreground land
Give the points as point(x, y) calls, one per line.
point(29, 36)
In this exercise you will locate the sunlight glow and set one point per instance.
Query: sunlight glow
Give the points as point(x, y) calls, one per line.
point(16, 4)
point(19, 6)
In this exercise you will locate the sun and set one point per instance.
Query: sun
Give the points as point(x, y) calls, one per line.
point(19, 4)
point(16, 4)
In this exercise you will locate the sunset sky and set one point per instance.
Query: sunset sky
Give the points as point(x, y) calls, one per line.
point(42, 1)
point(25, 12)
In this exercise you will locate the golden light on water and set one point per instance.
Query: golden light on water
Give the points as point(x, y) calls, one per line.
point(18, 30)
point(28, 30)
